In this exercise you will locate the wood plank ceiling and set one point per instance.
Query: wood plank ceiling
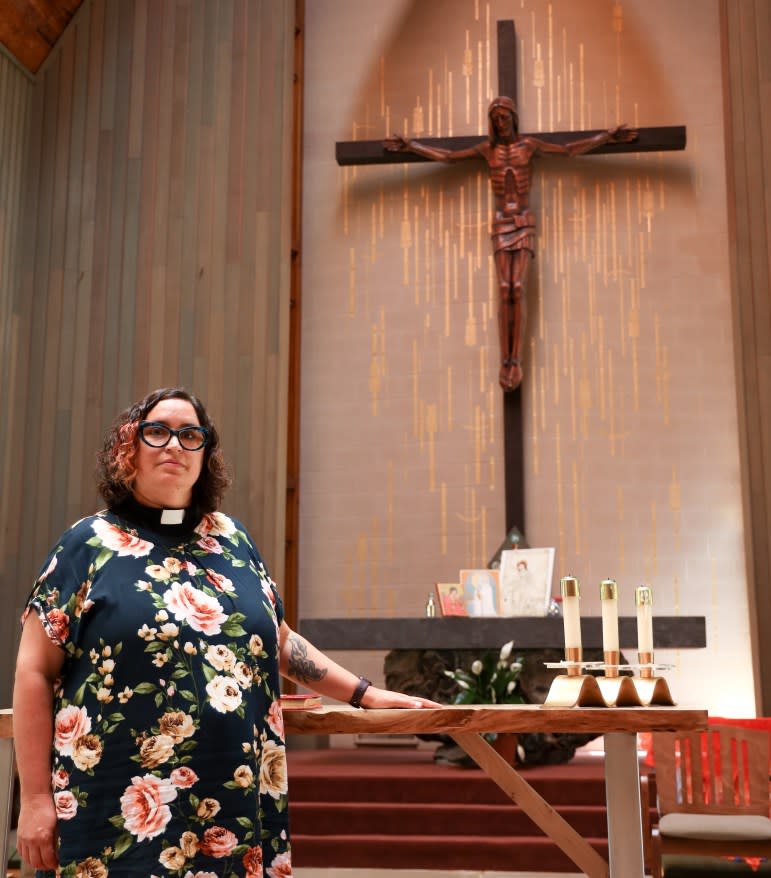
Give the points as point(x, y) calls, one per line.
point(29, 29)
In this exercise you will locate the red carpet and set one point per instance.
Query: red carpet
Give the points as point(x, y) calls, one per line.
point(394, 808)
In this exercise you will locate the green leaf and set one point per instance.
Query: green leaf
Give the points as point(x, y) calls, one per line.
point(245, 822)
point(123, 844)
point(145, 689)
point(102, 558)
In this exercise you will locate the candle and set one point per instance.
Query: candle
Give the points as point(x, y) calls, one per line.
point(571, 614)
point(644, 602)
point(609, 604)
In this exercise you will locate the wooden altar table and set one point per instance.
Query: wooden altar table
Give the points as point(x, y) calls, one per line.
point(465, 724)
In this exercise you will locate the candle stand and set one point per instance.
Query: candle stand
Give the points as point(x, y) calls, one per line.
point(576, 689)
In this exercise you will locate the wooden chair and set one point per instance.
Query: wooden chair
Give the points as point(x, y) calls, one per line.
point(713, 794)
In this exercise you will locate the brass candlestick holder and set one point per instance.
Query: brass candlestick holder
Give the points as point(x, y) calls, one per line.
point(617, 691)
point(574, 689)
point(651, 690)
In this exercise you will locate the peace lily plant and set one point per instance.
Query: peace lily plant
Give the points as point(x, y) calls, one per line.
point(492, 679)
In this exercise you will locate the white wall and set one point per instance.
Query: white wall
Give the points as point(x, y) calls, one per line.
point(632, 468)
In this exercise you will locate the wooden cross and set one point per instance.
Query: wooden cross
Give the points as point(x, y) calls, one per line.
point(373, 152)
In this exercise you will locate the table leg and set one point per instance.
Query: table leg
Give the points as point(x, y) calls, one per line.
point(536, 808)
point(622, 794)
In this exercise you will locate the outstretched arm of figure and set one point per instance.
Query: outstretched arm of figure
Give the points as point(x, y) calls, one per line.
point(619, 134)
point(397, 143)
point(299, 660)
point(38, 665)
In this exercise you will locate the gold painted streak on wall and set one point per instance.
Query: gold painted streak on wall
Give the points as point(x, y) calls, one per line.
point(550, 62)
point(577, 507)
point(582, 123)
point(478, 444)
point(602, 388)
point(591, 288)
point(390, 511)
point(615, 269)
point(584, 390)
point(612, 425)
point(658, 359)
point(431, 102)
point(351, 282)
point(450, 274)
point(467, 74)
point(675, 505)
point(463, 220)
point(443, 518)
point(562, 553)
point(555, 392)
point(373, 223)
point(374, 565)
point(482, 368)
point(381, 90)
point(470, 335)
point(405, 236)
point(346, 178)
point(654, 540)
point(665, 385)
point(534, 431)
point(416, 257)
point(450, 283)
point(432, 426)
point(418, 123)
point(449, 406)
point(480, 81)
point(489, 87)
point(571, 370)
point(415, 398)
point(449, 103)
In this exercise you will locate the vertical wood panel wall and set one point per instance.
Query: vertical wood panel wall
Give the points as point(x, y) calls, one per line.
point(156, 243)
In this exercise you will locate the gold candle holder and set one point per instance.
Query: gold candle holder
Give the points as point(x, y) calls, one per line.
point(612, 659)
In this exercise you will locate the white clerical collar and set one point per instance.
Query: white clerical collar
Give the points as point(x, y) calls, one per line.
point(172, 516)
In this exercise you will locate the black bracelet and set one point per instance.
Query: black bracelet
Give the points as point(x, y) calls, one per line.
point(358, 692)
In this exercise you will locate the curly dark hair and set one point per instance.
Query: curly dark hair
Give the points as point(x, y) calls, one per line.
point(116, 462)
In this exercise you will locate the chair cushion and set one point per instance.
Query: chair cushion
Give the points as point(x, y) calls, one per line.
point(718, 827)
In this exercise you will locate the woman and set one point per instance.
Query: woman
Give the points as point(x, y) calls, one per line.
point(148, 730)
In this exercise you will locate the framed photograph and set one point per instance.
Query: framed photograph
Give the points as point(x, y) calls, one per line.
point(449, 596)
point(480, 591)
point(525, 582)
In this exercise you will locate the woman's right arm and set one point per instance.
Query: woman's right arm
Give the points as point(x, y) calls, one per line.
point(38, 665)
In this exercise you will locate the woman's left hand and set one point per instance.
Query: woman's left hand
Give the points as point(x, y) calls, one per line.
point(375, 698)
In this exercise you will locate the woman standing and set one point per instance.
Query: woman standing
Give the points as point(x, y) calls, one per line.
point(149, 735)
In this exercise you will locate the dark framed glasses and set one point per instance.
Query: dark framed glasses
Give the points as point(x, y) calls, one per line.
point(158, 435)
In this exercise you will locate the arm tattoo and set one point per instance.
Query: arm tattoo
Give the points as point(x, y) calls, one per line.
point(303, 669)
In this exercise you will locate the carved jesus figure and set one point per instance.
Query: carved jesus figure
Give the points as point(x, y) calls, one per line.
point(509, 158)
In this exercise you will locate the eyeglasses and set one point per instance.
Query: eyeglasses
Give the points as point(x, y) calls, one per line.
point(158, 435)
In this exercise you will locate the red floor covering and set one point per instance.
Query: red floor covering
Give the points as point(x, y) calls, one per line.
point(394, 808)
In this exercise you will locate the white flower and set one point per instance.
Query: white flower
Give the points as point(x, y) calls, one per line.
point(476, 667)
point(506, 650)
point(224, 694)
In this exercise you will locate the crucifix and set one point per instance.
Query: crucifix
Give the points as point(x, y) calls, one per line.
point(509, 157)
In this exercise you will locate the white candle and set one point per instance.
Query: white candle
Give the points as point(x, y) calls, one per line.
point(571, 613)
point(609, 604)
point(644, 601)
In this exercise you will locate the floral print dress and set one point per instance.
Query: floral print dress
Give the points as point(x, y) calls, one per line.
point(168, 747)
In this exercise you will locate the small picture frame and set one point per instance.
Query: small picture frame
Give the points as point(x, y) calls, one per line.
point(480, 591)
point(449, 596)
point(525, 582)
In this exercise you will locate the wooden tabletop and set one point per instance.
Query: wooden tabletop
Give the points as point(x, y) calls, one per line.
point(331, 720)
